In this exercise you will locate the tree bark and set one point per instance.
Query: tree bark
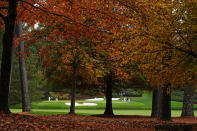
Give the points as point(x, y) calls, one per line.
point(73, 90)
point(188, 102)
point(108, 108)
point(23, 74)
point(155, 102)
point(6, 64)
point(164, 112)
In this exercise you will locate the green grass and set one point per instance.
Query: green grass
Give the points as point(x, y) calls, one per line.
point(137, 106)
point(175, 113)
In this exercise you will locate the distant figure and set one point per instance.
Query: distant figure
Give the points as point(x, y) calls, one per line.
point(129, 100)
point(49, 98)
point(125, 99)
point(56, 99)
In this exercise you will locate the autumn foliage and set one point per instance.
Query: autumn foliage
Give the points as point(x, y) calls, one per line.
point(84, 42)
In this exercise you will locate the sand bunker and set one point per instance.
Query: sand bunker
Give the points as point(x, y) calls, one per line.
point(101, 99)
point(95, 99)
point(83, 104)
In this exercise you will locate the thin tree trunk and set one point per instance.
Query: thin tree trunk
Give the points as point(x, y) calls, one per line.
point(108, 108)
point(73, 90)
point(6, 64)
point(12, 58)
point(188, 102)
point(23, 74)
point(155, 102)
point(164, 113)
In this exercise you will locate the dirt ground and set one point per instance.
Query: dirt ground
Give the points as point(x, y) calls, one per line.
point(30, 122)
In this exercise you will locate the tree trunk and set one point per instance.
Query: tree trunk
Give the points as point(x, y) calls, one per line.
point(155, 102)
point(188, 102)
point(164, 112)
point(23, 74)
point(6, 64)
point(73, 90)
point(108, 108)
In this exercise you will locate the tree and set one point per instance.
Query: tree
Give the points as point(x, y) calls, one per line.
point(9, 21)
point(80, 33)
point(162, 44)
point(23, 75)
point(74, 62)
point(164, 112)
point(188, 102)
point(10, 11)
point(155, 102)
point(74, 84)
point(109, 87)
point(36, 82)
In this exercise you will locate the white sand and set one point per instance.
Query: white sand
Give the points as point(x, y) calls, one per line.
point(83, 104)
point(95, 99)
point(101, 99)
point(115, 99)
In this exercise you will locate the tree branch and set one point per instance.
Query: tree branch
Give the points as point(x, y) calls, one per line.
point(52, 13)
point(188, 52)
point(191, 53)
point(185, 41)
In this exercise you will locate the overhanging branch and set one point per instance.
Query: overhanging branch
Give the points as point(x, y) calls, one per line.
point(188, 52)
point(191, 53)
point(52, 13)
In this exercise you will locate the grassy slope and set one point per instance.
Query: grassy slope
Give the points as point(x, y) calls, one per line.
point(137, 106)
